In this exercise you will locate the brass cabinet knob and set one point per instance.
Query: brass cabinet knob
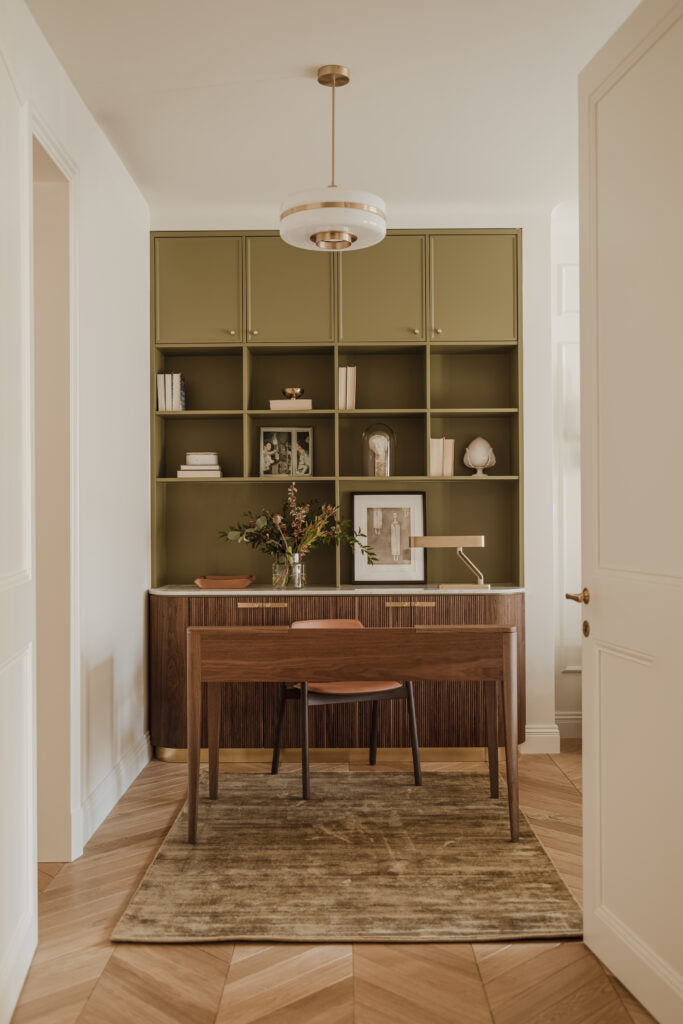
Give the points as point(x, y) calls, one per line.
point(232, 333)
point(582, 598)
point(254, 333)
point(416, 330)
point(438, 330)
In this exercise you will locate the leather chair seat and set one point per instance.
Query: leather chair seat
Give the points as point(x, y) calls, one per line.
point(350, 687)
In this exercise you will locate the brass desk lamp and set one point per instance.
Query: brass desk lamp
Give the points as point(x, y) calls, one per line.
point(458, 543)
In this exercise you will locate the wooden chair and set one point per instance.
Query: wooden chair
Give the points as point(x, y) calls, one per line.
point(317, 694)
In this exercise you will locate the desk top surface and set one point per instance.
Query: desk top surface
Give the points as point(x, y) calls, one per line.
point(191, 590)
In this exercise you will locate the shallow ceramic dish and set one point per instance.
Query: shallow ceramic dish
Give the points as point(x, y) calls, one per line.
point(224, 582)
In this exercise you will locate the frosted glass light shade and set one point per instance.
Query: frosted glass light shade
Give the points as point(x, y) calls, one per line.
point(323, 219)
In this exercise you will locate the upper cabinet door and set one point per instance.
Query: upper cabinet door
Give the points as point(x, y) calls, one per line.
point(473, 287)
point(382, 291)
point(289, 292)
point(198, 281)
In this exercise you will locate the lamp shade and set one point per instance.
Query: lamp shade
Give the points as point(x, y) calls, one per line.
point(333, 219)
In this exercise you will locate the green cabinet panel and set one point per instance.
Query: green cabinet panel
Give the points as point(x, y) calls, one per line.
point(382, 291)
point(290, 294)
point(198, 289)
point(473, 287)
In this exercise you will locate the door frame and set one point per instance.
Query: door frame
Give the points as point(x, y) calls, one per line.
point(73, 753)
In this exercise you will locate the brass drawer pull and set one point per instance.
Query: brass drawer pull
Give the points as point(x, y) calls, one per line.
point(261, 604)
point(397, 604)
point(424, 604)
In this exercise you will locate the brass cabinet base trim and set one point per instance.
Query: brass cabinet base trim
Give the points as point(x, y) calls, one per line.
point(335, 755)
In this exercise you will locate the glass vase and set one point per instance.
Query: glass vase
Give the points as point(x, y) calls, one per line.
point(379, 443)
point(297, 571)
point(280, 571)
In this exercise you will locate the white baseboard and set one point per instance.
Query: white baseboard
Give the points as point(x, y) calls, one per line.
point(569, 724)
point(104, 797)
point(15, 963)
point(541, 739)
point(653, 981)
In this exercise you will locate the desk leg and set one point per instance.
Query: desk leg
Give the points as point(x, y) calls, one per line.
point(491, 693)
point(194, 733)
point(213, 721)
point(511, 732)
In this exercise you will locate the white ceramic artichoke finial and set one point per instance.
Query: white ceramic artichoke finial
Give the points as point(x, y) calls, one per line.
point(479, 456)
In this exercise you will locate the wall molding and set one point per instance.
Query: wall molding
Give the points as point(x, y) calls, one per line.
point(570, 724)
point(16, 962)
point(541, 739)
point(109, 791)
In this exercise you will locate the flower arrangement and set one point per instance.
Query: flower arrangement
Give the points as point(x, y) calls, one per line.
point(296, 530)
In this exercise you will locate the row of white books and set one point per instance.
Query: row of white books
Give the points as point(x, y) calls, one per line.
point(441, 456)
point(170, 392)
point(200, 466)
point(347, 387)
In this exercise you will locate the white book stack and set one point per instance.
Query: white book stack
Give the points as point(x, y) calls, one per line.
point(347, 387)
point(441, 456)
point(170, 392)
point(200, 466)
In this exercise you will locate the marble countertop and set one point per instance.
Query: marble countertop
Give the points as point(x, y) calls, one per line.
point(191, 590)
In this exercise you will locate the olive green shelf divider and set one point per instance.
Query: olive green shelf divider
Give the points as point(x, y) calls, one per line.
point(432, 322)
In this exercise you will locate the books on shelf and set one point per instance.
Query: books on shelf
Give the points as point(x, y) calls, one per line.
point(347, 387)
point(170, 392)
point(200, 466)
point(441, 456)
point(283, 404)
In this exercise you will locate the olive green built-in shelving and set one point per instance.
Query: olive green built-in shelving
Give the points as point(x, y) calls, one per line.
point(432, 322)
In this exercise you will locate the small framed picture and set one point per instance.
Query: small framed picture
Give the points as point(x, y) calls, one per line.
point(286, 451)
point(389, 521)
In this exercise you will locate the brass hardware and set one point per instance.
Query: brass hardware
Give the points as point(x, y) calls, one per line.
point(261, 604)
point(397, 604)
point(416, 330)
point(334, 74)
point(586, 628)
point(333, 240)
point(582, 598)
point(424, 604)
point(254, 333)
point(438, 330)
point(232, 333)
point(334, 206)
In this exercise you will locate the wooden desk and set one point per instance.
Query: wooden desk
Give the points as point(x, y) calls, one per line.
point(219, 654)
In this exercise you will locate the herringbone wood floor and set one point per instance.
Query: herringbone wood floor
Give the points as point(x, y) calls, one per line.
point(79, 976)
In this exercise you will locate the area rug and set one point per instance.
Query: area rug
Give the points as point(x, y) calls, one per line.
point(370, 858)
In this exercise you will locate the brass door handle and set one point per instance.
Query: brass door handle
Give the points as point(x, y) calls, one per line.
point(424, 604)
point(582, 598)
point(397, 604)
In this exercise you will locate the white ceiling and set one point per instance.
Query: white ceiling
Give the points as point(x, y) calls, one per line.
point(453, 104)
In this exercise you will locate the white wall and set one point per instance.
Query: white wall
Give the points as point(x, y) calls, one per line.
point(109, 459)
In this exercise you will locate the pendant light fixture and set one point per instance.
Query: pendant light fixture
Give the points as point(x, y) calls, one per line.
point(333, 218)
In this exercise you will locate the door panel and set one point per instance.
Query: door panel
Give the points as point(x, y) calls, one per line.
point(382, 291)
point(631, 167)
point(289, 292)
point(198, 284)
point(473, 285)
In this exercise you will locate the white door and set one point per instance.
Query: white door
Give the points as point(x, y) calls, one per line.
point(17, 594)
point(631, 210)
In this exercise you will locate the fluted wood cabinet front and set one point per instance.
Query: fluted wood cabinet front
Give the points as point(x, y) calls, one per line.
point(450, 714)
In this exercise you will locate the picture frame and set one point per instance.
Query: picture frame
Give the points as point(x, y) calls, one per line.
point(285, 451)
point(388, 520)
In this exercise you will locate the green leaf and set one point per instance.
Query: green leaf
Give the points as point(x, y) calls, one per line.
point(234, 535)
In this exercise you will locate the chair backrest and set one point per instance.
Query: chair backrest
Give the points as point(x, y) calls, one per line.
point(327, 624)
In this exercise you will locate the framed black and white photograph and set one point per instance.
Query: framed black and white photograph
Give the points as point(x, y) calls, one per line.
point(389, 521)
point(286, 451)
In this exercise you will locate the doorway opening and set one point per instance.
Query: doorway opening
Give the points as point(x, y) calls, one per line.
point(53, 476)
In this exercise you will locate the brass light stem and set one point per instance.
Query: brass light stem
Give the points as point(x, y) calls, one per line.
point(334, 83)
